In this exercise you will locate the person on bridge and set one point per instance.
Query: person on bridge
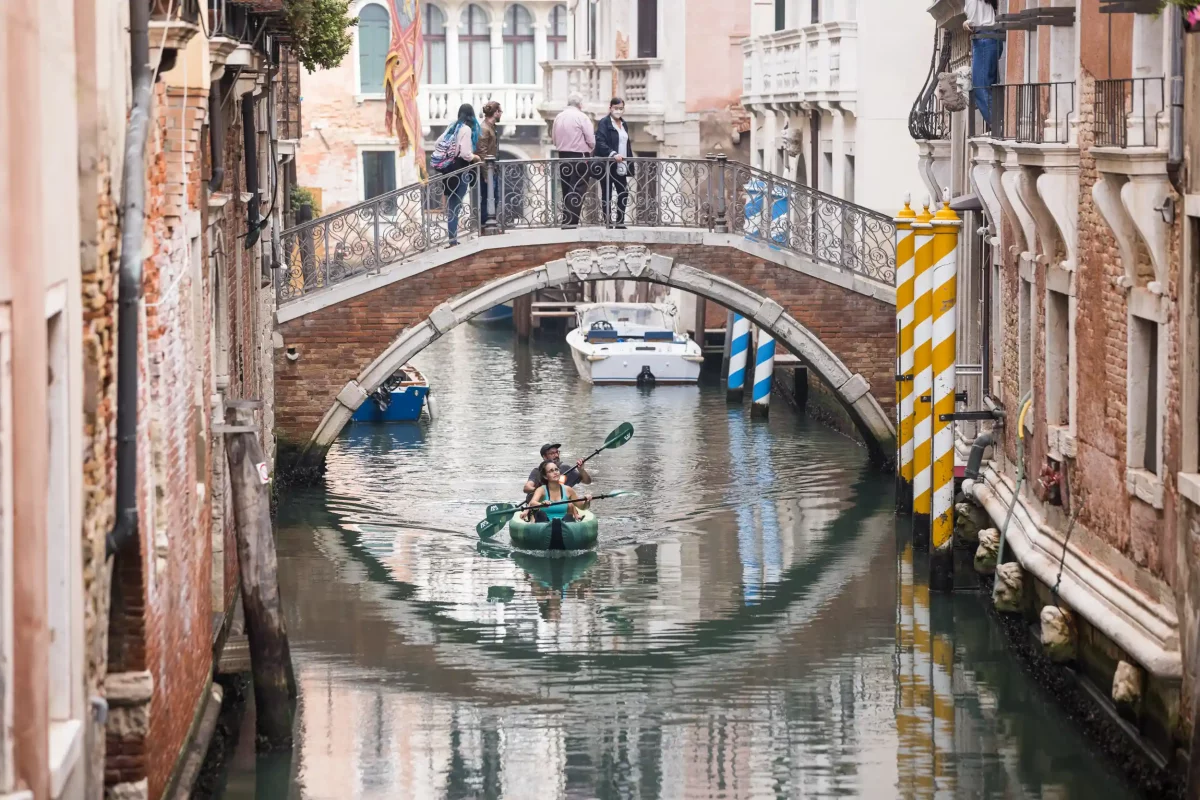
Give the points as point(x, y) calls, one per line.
point(552, 490)
point(612, 143)
point(574, 139)
point(489, 145)
point(551, 452)
point(461, 140)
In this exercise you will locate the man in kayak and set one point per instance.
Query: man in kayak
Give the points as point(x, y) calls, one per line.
point(550, 452)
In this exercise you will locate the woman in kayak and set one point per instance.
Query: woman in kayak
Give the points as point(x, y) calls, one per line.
point(551, 491)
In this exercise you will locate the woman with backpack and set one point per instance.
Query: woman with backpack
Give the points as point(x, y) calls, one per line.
point(454, 151)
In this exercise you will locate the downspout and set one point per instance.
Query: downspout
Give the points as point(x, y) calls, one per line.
point(1175, 86)
point(133, 224)
point(250, 158)
point(216, 137)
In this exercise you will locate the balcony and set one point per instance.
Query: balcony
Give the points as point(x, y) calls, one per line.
point(1130, 112)
point(638, 81)
point(813, 64)
point(173, 23)
point(1031, 113)
point(438, 103)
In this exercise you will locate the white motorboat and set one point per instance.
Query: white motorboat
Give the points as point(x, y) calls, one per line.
point(632, 343)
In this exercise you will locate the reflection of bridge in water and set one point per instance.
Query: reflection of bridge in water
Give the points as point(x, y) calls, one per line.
point(409, 697)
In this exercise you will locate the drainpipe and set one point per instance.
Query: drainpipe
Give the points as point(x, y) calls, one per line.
point(250, 158)
point(133, 220)
point(982, 442)
point(1175, 85)
point(216, 137)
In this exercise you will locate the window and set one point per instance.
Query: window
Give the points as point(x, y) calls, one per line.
point(1025, 331)
point(1145, 412)
point(591, 23)
point(518, 46)
point(374, 39)
point(647, 35)
point(379, 172)
point(475, 47)
point(1058, 358)
point(848, 194)
point(556, 39)
point(780, 14)
point(433, 31)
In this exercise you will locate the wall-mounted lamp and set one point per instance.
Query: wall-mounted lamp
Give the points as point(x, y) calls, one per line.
point(292, 355)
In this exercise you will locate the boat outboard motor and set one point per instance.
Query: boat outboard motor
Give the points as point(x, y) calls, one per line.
point(646, 377)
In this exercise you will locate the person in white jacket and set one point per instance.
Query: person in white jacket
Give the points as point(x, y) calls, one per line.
point(985, 54)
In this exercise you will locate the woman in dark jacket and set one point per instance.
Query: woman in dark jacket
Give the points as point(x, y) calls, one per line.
point(612, 143)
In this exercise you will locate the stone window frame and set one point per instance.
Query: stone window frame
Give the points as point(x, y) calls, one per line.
point(1140, 482)
point(356, 9)
point(372, 146)
point(65, 606)
point(1188, 478)
point(6, 547)
point(1060, 432)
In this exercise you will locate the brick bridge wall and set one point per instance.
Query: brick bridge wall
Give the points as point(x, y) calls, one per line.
point(335, 343)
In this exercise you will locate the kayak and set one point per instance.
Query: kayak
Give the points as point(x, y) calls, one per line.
point(565, 535)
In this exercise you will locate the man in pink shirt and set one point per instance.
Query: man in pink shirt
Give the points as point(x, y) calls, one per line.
point(574, 138)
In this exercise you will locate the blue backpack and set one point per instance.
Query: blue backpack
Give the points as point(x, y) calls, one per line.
point(446, 149)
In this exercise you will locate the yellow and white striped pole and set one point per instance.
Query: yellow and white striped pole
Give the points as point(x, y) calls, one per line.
point(904, 347)
point(922, 383)
point(946, 225)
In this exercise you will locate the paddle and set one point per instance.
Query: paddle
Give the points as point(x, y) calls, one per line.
point(622, 434)
point(498, 514)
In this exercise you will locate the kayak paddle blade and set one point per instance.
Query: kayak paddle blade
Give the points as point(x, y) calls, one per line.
point(619, 437)
point(486, 529)
point(500, 513)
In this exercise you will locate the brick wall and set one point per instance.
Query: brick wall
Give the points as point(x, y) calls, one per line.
point(336, 343)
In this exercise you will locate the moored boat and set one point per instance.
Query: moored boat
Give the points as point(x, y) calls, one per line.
point(496, 315)
point(567, 535)
point(632, 343)
point(399, 399)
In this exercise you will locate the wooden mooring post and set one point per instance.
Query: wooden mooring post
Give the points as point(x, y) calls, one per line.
point(266, 633)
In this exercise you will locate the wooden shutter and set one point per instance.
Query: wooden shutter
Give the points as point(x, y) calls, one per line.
point(374, 36)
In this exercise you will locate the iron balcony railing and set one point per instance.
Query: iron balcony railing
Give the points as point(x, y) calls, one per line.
point(927, 120)
point(183, 10)
point(707, 194)
point(1038, 113)
point(1128, 112)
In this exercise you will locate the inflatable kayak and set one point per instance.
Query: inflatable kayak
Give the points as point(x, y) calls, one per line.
point(556, 535)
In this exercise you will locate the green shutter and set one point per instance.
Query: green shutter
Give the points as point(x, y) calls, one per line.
point(374, 36)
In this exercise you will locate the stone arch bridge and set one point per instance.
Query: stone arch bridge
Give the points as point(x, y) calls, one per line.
point(365, 289)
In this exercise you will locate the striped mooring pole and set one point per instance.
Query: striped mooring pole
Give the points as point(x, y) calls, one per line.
point(764, 368)
point(738, 350)
point(946, 225)
point(904, 361)
point(922, 384)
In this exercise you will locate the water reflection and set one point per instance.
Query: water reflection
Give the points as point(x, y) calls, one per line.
point(749, 627)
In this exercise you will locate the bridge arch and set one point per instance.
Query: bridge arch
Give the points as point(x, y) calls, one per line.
point(606, 262)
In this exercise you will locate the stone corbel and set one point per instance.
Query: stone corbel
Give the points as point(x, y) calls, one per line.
point(1026, 227)
point(1058, 188)
point(1043, 220)
point(1133, 185)
point(934, 165)
point(1106, 193)
point(986, 176)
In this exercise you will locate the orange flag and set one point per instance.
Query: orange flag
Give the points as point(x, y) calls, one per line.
point(402, 78)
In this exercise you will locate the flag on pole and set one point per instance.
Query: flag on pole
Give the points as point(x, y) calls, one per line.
point(402, 78)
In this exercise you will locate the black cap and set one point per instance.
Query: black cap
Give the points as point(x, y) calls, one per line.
point(546, 447)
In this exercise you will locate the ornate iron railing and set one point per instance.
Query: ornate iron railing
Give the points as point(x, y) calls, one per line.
point(1128, 112)
point(707, 194)
point(928, 120)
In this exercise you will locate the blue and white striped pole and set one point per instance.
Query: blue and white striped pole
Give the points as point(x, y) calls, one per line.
point(737, 358)
point(764, 368)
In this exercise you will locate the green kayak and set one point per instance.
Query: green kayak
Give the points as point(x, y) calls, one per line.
point(579, 535)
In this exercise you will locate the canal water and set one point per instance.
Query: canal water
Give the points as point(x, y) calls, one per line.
point(752, 625)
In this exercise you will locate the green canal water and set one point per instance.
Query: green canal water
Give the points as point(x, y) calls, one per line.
point(753, 625)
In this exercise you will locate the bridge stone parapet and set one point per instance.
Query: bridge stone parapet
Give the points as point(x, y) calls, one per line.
point(344, 340)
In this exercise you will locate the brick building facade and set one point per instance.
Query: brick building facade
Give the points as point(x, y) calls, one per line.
point(107, 640)
point(1077, 294)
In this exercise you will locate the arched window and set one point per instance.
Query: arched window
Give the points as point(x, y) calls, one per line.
point(475, 47)
point(518, 46)
point(556, 39)
point(433, 31)
point(374, 38)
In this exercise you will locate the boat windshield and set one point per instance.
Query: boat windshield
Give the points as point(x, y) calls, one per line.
point(626, 316)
